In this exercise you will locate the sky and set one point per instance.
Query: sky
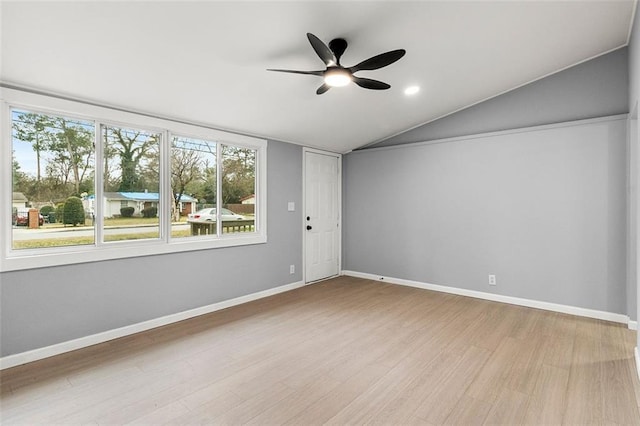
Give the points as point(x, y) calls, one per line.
point(23, 151)
point(26, 156)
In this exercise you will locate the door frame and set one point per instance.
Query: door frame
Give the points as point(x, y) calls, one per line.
point(306, 150)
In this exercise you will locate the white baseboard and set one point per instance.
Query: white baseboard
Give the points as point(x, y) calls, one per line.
point(633, 325)
point(83, 342)
point(555, 307)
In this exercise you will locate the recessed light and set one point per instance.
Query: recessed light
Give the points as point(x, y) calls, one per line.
point(411, 90)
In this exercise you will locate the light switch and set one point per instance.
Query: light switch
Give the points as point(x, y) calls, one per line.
point(291, 206)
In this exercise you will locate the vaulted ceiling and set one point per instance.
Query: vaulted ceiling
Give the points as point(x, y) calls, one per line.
point(206, 62)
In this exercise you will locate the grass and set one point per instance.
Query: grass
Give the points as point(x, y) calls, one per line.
point(72, 240)
point(146, 235)
point(123, 221)
point(79, 241)
point(52, 242)
point(113, 221)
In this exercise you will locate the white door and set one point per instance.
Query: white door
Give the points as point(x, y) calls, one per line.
point(321, 216)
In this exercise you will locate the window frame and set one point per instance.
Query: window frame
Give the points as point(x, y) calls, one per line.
point(11, 259)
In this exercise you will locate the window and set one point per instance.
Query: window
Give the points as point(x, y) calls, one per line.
point(193, 187)
point(131, 170)
point(195, 166)
point(53, 170)
point(238, 182)
point(90, 183)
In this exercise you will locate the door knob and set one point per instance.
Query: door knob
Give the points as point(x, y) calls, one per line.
point(308, 217)
point(308, 227)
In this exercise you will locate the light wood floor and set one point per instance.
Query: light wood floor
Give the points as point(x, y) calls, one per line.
point(343, 351)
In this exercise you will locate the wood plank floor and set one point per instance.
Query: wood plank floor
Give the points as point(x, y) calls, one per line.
point(342, 351)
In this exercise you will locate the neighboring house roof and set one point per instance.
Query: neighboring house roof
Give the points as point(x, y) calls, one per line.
point(19, 196)
point(152, 196)
point(140, 196)
point(248, 197)
point(113, 196)
point(188, 199)
point(109, 196)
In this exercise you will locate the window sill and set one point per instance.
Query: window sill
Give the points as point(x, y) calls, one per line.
point(32, 259)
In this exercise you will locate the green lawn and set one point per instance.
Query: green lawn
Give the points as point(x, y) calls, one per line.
point(77, 241)
point(72, 240)
point(115, 221)
point(123, 221)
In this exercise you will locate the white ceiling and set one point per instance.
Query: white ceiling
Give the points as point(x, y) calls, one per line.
point(206, 61)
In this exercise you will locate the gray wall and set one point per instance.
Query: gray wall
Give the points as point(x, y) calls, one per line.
point(632, 218)
point(634, 98)
point(544, 210)
point(594, 88)
point(634, 63)
point(41, 307)
point(633, 169)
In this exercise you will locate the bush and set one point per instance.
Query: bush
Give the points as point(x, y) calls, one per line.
point(73, 211)
point(59, 212)
point(150, 212)
point(127, 211)
point(45, 210)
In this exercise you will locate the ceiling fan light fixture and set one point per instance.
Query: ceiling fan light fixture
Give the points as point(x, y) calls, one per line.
point(337, 77)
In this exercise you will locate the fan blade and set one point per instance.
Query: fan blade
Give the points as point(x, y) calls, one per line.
point(318, 73)
point(322, 50)
point(379, 61)
point(322, 89)
point(368, 83)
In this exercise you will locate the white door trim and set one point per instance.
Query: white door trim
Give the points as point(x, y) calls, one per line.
point(306, 150)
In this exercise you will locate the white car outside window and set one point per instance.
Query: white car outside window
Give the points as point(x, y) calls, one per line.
point(209, 215)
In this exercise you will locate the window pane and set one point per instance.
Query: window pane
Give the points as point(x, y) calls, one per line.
point(53, 179)
point(238, 189)
point(131, 184)
point(193, 185)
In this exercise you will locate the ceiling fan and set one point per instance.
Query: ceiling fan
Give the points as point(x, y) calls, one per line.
point(336, 75)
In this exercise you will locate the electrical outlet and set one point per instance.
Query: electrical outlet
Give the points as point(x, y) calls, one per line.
point(292, 269)
point(492, 280)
